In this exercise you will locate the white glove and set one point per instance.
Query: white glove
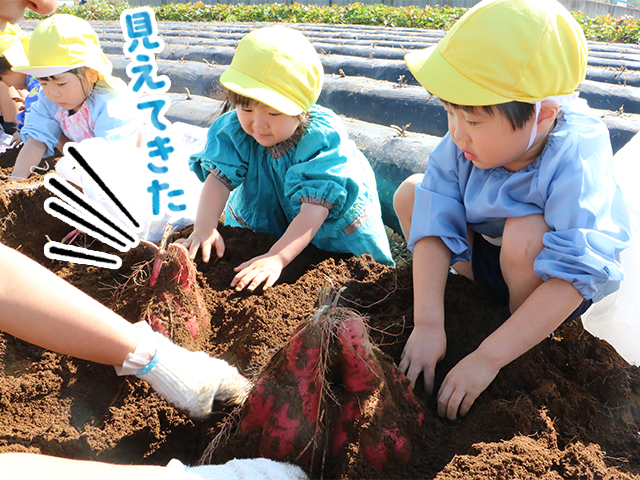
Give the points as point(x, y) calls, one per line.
point(188, 380)
point(239, 469)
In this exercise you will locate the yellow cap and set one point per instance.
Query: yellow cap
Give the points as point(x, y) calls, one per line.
point(276, 66)
point(64, 42)
point(14, 43)
point(505, 50)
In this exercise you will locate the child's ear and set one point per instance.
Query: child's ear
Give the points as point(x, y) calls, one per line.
point(548, 113)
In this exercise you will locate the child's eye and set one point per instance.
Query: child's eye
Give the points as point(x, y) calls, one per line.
point(274, 114)
point(473, 124)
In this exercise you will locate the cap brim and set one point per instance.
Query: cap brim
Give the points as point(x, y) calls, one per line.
point(247, 86)
point(40, 72)
point(441, 79)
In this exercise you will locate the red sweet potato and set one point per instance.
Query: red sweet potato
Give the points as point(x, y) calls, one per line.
point(373, 425)
point(329, 392)
point(192, 313)
point(285, 402)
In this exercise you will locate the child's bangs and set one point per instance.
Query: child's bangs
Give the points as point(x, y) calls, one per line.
point(517, 113)
point(237, 100)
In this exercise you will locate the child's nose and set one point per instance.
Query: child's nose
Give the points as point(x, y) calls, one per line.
point(458, 132)
point(260, 120)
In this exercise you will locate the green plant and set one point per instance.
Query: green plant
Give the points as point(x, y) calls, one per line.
point(604, 28)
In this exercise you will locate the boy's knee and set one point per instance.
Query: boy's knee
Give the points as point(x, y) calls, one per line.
point(522, 241)
point(404, 195)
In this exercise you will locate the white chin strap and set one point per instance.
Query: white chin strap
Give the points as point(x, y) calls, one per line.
point(561, 100)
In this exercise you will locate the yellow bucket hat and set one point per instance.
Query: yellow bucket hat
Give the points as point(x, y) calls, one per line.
point(14, 43)
point(505, 50)
point(276, 66)
point(61, 43)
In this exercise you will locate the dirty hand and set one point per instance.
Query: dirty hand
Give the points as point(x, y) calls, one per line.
point(265, 268)
point(424, 349)
point(463, 384)
point(204, 240)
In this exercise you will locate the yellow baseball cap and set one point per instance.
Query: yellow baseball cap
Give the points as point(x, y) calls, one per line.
point(276, 66)
point(505, 50)
point(14, 43)
point(64, 42)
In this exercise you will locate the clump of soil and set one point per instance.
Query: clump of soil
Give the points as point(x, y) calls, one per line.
point(569, 408)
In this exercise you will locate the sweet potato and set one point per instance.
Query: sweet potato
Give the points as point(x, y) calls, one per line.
point(289, 421)
point(329, 392)
point(195, 317)
point(373, 425)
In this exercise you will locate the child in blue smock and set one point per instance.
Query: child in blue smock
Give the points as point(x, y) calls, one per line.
point(520, 193)
point(286, 166)
point(81, 98)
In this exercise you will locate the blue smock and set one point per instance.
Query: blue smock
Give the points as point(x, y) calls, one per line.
point(324, 167)
point(114, 114)
point(35, 89)
point(571, 183)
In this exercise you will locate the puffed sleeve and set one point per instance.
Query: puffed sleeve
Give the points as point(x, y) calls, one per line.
point(438, 208)
point(326, 169)
point(226, 153)
point(114, 113)
point(41, 125)
point(586, 212)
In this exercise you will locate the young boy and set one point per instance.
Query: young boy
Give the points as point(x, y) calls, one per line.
point(519, 193)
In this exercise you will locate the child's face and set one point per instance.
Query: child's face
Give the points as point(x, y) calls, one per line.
point(67, 90)
point(14, 79)
point(266, 125)
point(490, 141)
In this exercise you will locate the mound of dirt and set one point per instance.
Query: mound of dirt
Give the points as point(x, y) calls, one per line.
point(569, 408)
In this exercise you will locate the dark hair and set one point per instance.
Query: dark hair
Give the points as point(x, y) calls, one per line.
point(517, 113)
point(5, 66)
point(233, 100)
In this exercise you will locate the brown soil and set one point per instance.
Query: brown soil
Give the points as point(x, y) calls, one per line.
point(569, 408)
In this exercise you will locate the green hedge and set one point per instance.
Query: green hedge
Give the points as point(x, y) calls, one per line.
point(604, 28)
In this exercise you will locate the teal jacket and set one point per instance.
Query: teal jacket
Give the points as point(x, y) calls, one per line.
point(323, 167)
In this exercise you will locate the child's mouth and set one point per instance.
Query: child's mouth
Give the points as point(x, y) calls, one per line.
point(470, 156)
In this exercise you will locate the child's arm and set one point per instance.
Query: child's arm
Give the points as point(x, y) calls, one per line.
point(29, 157)
point(267, 268)
point(205, 230)
point(547, 307)
point(427, 343)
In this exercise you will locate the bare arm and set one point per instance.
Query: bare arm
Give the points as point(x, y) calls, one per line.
point(545, 309)
point(205, 234)
point(30, 156)
point(26, 466)
point(267, 268)
point(41, 308)
point(427, 343)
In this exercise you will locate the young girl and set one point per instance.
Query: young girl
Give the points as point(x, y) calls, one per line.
point(14, 43)
point(81, 99)
point(286, 166)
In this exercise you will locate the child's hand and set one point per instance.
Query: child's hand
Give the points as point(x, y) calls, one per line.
point(463, 384)
point(265, 268)
point(16, 139)
point(203, 240)
point(424, 349)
